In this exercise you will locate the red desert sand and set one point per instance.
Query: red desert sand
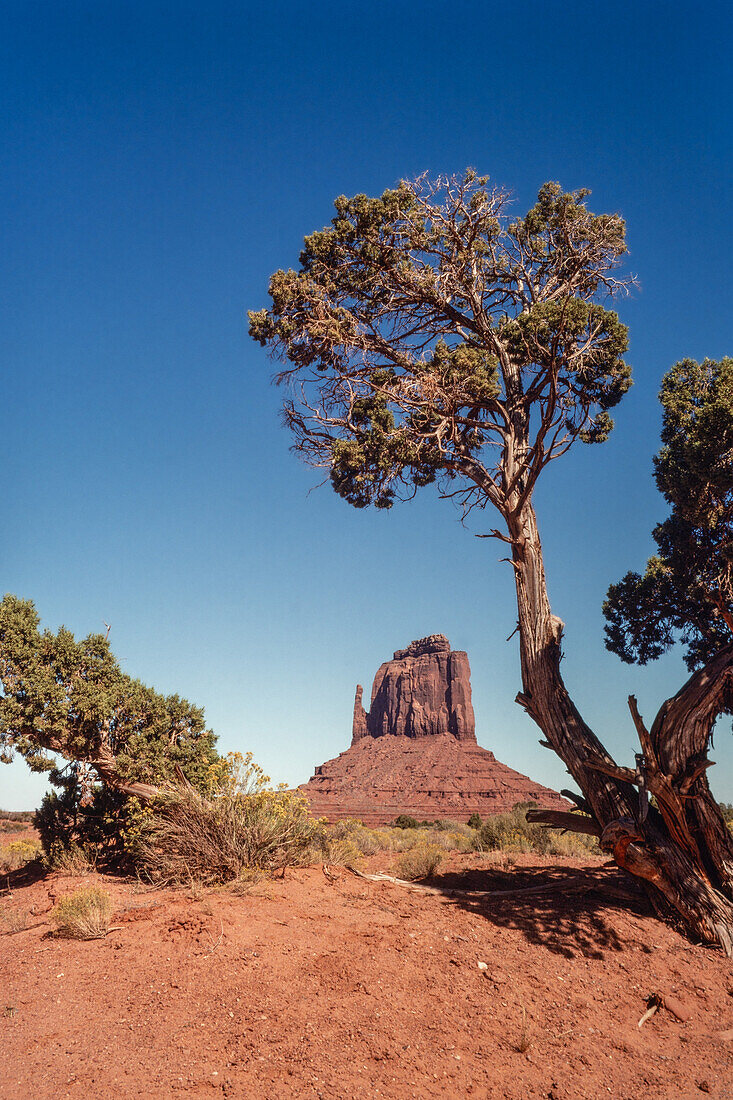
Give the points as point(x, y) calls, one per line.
point(337, 987)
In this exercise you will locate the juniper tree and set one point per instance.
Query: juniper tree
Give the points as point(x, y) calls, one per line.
point(70, 698)
point(430, 337)
point(685, 595)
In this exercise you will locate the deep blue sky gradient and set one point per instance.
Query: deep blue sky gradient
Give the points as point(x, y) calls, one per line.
point(159, 162)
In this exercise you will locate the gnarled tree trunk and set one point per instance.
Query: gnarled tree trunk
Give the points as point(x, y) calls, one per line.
point(684, 851)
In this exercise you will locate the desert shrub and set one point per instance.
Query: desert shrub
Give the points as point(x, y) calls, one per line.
point(343, 852)
point(351, 830)
point(511, 832)
point(67, 708)
point(474, 821)
point(572, 844)
point(368, 841)
point(17, 816)
point(405, 821)
point(455, 841)
point(72, 860)
point(14, 920)
point(350, 839)
point(17, 854)
point(383, 839)
point(245, 824)
point(419, 862)
point(353, 836)
point(500, 861)
point(83, 915)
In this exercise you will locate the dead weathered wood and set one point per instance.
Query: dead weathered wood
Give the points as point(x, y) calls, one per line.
point(566, 820)
point(653, 1007)
point(579, 882)
point(684, 853)
point(578, 799)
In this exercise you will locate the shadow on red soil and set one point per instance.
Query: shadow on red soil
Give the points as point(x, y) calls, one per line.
point(575, 918)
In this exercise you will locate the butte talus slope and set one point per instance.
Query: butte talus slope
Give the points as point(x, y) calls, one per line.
point(415, 751)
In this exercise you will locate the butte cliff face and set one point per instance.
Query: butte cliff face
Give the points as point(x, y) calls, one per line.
point(425, 690)
point(415, 751)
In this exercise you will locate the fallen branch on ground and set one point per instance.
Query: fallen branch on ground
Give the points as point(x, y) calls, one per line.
point(577, 883)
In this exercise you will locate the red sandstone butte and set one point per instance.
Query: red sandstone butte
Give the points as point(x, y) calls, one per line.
point(415, 751)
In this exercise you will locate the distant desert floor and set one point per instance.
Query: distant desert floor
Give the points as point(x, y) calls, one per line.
point(308, 987)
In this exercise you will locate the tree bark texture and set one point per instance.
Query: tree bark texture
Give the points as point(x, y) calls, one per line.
point(684, 851)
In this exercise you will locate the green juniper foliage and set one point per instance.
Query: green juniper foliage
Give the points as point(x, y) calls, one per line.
point(686, 590)
point(428, 336)
point(70, 698)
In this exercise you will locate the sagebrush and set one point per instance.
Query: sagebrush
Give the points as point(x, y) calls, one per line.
point(244, 824)
point(17, 854)
point(419, 862)
point(83, 915)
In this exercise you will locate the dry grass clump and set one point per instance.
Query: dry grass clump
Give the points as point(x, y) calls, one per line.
point(83, 915)
point(14, 920)
point(72, 860)
point(344, 852)
point(17, 854)
point(351, 838)
point(419, 862)
point(245, 825)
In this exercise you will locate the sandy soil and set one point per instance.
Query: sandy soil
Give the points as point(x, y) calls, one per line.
point(307, 987)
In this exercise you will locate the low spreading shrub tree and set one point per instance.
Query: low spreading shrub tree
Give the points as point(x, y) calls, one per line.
point(120, 742)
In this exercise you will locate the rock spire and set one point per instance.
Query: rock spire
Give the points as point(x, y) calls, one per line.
point(424, 691)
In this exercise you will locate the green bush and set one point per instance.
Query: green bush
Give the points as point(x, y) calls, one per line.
point(83, 915)
point(67, 707)
point(72, 859)
point(405, 821)
point(419, 862)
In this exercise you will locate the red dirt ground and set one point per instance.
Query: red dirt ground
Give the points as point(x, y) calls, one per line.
point(349, 989)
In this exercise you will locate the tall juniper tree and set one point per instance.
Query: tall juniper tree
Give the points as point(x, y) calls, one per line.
point(428, 336)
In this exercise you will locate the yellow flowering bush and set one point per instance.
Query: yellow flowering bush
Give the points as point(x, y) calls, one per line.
point(243, 824)
point(17, 853)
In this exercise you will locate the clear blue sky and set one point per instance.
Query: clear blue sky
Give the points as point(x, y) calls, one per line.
point(160, 160)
